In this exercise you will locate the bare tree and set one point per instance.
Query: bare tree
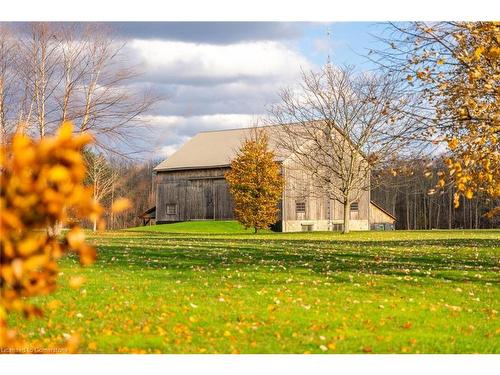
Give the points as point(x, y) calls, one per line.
point(101, 176)
point(8, 45)
point(73, 72)
point(39, 71)
point(344, 124)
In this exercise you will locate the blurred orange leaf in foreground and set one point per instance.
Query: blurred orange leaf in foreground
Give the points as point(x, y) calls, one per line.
point(41, 189)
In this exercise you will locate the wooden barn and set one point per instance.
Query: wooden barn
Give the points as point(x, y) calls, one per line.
point(190, 185)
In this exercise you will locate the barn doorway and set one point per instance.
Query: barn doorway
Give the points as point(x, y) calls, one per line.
point(209, 202)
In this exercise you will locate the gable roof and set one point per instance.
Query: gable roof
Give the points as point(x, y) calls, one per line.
point(216, 148)
point(210, 149)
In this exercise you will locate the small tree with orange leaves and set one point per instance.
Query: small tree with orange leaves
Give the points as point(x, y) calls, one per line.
point(41, 182)
point(255, 183)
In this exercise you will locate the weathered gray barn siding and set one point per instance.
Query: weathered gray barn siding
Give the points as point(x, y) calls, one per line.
point(320, 211)
point(203, 194)
point(199, 194)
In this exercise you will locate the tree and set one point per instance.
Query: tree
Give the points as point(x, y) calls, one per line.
point(344, 124)
point(135, 183)
point(101, 177)
point(455, 67)
point(53, 72)
point(7, 58)
point(255, 183)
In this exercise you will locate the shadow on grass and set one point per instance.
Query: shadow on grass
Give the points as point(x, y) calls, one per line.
point(444, 259)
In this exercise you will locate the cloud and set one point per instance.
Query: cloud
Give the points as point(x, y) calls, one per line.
point(210, 86)
point(228, 98)
point(169, 150)
point(209, 32)
point(208, 64)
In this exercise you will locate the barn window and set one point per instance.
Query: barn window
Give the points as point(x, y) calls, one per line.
point(300, 207)
point(354, 206)
point(171, 208)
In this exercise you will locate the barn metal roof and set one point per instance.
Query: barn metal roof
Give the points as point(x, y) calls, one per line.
point(209, 149)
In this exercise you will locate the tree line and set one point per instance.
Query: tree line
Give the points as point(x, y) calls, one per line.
point(408, 191)
point(113, 178)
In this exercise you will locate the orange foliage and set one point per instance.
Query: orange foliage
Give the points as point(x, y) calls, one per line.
point(472, 99)
point(255, 183)
point(465, 90)
point(41, 181)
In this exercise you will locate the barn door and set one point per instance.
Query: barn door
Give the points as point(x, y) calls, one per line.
point(194, 200)
point(223, 201)
point(209, 200)
point(200, 199)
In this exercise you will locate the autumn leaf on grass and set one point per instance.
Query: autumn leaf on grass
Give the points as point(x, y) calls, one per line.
point(76, 282)
point(331, 345)
point(54, 305)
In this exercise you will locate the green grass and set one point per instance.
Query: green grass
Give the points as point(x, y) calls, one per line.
point(155, 290)
point(220, 227)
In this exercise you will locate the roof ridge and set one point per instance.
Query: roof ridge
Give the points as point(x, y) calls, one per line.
point(243, 128)
point(250, 127)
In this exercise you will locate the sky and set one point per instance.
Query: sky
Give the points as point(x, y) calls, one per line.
point(222, 75)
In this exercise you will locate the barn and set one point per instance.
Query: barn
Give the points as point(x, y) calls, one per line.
point(190, 185)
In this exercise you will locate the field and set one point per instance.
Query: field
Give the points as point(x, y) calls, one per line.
point(216, 288)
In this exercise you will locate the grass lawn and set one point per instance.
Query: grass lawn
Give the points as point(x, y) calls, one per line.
point(198, 227)
point(215, 288)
